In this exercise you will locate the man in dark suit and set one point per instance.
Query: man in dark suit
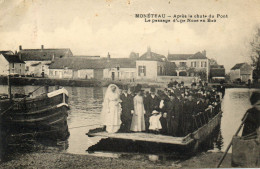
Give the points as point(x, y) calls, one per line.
point(170, 113)
point(127, 109)
point(153, 103)
point(188, 112)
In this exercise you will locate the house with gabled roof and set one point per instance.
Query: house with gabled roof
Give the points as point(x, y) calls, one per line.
point(37, 61)
point(242, 71)
point(89, 68)
point(11, 64)
point(197, 62)
point(120, 68)
point(150, 65)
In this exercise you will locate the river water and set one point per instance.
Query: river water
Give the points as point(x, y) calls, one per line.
point(86, 102)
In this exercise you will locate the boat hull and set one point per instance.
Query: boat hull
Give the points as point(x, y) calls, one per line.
point(43, 117)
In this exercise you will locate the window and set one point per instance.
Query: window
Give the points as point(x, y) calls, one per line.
point(51, 72)
point(13, 65)
point(195, 64)
point(141, 70)
point(203, 64)
point(27, 68)
point(182, 64)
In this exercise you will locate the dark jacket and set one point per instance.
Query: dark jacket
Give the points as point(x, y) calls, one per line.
point(252, 121)
point(127, 105)
point(152, 103)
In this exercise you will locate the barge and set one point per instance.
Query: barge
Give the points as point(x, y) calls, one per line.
point(41, 117)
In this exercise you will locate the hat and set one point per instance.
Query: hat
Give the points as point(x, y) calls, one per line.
point(172, 94)
point(138, 88)
point(155, 112)
point(132, 89)
point(255, 97)
point(152, 89)
point(125, 87)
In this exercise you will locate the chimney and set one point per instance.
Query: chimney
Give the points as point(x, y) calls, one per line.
point(42, 47)
point(149, 49)
point(149, 52)
point(108, 55)
point(20, 56)
point(20, 47)
point(204, 52)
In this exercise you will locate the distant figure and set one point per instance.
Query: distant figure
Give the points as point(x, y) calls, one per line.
point(171, 84)
point(154, 121)
point(252, 121)
point(138, 123)
point(249, 83)
point(222, 89)
point(111, 109)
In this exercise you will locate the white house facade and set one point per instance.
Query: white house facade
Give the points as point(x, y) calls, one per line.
point(11, 64)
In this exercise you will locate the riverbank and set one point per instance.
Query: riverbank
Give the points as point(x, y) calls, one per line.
point(23, 81)
point(65, 160)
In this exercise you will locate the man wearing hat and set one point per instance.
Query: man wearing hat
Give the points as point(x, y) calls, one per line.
point(252, 122)
point(188, 112)
point(153, 103)
point(127, 109)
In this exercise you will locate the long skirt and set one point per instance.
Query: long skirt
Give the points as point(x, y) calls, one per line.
point(113, 120)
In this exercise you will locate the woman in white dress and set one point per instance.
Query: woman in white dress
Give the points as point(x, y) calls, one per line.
point(111, 110)
point(138, 123)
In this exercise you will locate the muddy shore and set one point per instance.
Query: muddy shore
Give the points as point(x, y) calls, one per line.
point(65, 160)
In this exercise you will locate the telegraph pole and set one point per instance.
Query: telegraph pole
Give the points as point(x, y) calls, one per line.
point(9, 85)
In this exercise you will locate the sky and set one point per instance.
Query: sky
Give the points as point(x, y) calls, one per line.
point(96, 27)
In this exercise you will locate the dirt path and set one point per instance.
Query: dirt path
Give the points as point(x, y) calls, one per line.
point(64, 160)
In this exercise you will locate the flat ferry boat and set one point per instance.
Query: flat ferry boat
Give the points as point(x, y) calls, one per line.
point(41, 117)
point(211, 118)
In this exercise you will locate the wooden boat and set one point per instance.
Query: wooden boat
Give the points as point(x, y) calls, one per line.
point(245, 152)
point(44, 117)
point(191, 141)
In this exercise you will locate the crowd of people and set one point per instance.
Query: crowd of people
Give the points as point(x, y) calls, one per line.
point(176, 110)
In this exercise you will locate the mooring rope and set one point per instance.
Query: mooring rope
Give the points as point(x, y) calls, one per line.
point(20, 100)
point(84, 126)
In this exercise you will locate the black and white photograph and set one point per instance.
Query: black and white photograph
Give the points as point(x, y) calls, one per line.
point(129, 84)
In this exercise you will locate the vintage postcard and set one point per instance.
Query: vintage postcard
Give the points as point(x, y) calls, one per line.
point(129, 83)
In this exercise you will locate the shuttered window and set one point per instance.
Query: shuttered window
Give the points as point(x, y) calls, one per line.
point(141, 70)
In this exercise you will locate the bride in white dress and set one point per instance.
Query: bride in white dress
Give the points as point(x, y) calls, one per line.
point(111, 110)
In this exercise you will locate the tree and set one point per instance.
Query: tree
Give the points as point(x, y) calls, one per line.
point(212, 62)
point(255, 56)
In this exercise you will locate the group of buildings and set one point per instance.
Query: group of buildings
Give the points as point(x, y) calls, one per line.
point(61, 64)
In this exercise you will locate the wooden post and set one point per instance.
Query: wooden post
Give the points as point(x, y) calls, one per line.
point(46, 88)
point(9, 87)
point(57, 87)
